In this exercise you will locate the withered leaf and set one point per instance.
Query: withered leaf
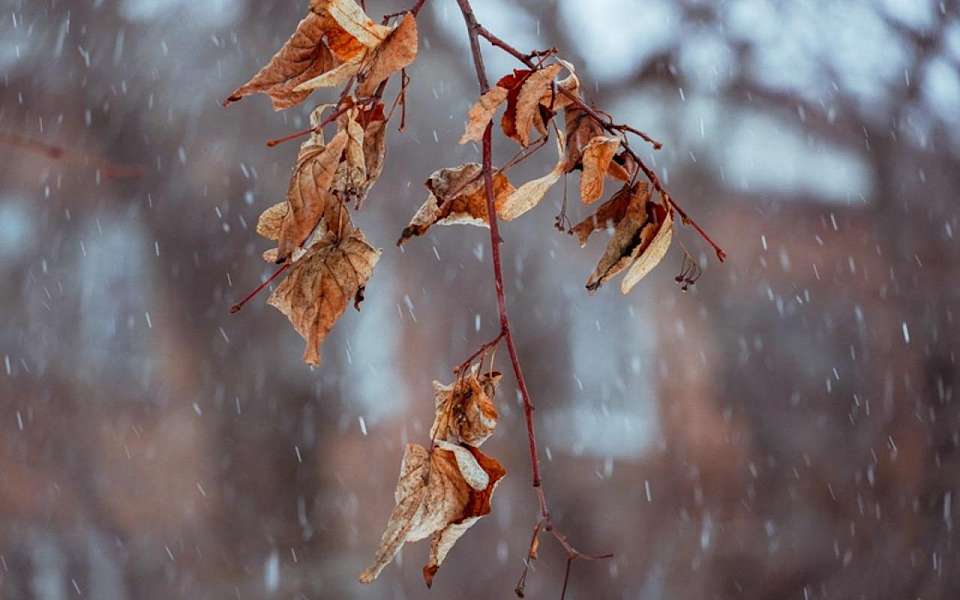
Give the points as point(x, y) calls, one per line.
point(528, 100)
point(465, 411)
point(349, 29)
point(457, 197)
point(309, 191)
point(374, 125)
point(321, 285)
point(513, 83)
point(332, 78)
point(440, 493)
point(597, 155)
point(482, 112)
point(580, 128)
point(532, 192)
point(610, 212)
point(555, 100)
point(623, 166)
point(642, 223)
point(396, 52)
point(303, 57)
point(651, 256)
point(351, 175)
point(271, 220)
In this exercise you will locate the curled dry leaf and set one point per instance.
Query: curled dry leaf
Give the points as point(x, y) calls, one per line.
point(441, 494)
point(651, 256)
point(532, 192)
point(303, 57)
point(374, 125)
point(597, 155)
point(528, 100)
point(580, 128)
point(513, 84)
point(465, 411)
point(632, 243)
point(457, 197)
point(623, 166)
point(351, 174)
point(271, 220)
point(321, 285)
point(482, 112)
point(349, 30)
point(610, 212)
point(553, 99)
point(396, 52)
point(308, 194)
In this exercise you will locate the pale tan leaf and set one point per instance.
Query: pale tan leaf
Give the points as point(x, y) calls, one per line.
point(457, 197)
point(482, 112)
point(434, 497)
point(570, 83)
point(597, 155)
point(271, 255)
point(465, 411)
point(351, 175)
point(528, 102)
point(309, 191)
point(396, 52)
point(334, 77)
point(651, 256)
point(270, 221)
point(321, 285)
point(374, 143)
point(528, 195)
point(303, 57)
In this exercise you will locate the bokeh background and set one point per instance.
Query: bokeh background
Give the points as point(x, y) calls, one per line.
point(789, 428)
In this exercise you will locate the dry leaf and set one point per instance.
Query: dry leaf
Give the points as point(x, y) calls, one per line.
point(350, 178)
point(465, 411)
point(303, 57)
point(440, 493)
point(395, 53)
point(332, 78)
point(623, 166)
point(482, 112)
point(528, 101)
point(513, 84)
point(457, 197)
point(350, 18)
point(642, 222)
point(581, 128)
point(570, 83)
point(374, 125)
point(597, 155)
point(271, 220)
point(651, 256)
point(309, 191)
point(532, 192)
point(610, 212)
point(321, 285)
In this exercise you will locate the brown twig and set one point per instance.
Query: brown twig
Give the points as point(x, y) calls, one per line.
point(544, 522)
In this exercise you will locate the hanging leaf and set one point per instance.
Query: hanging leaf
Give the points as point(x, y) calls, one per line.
point(441, 494)
point(321, 285)
point(597, 155)
point(528, 100)
point(396, 52)
point(349, 30)
point(482, 112)
point(610, 212)
point(457, 197)
point(580, 128)
point(465, 411)
point(513, 84)
point(532, 192)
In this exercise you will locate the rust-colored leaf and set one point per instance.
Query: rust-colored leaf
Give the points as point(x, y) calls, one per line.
point(396, 52)
point(303, 57)
point(321, 285)
point(457, 197)
point(513, 84)
point(482, 112)
point(465, 411)
point(597, 155)
point(349, 30)
point(309, 191)
point(580, 129)
point(441, 494)
point(528, 100)
point(632, 241)
point(610, 212)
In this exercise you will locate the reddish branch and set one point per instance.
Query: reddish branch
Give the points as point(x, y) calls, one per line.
point(109, 169)
point(544, 523)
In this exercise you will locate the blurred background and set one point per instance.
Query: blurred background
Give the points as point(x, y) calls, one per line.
point(789, 428)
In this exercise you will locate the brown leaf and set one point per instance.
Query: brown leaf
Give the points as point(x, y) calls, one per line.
point(309, 191)
point(482, 112)
point(528, 101)
point(457, 197)
point(642, 223)
point(271, 220)
point(374, 144)
point(532, 192)
point(610, 212)
point(440, 493)
point(349, 30)
point(650, 256)
point(351, 175)
point(581, 128)
point(513, 84)
point(558, 101)
point(396, 52)
point(623, 166)
point(321, 285)
point(465, 411)
point(597, 155)
point(303, 57)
